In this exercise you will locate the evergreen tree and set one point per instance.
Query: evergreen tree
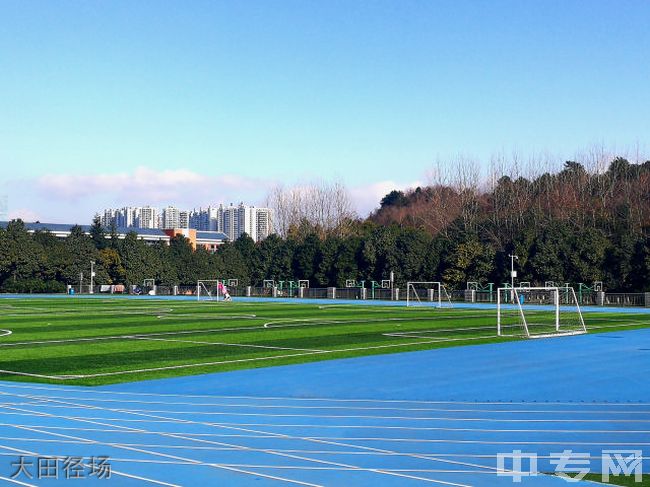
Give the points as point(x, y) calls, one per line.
point(98, 234)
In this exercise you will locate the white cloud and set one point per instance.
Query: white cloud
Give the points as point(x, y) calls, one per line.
point(145, 185)
point(367, 197)
point(24, 214)
point(77, 197)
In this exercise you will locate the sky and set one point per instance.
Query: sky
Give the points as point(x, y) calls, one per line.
point(116, 103)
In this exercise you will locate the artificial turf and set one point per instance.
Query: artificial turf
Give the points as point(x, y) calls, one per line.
point(101, 341)
point(624, 480)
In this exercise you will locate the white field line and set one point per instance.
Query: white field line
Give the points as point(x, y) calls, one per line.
point(127, 337)
point(302, 322)
point(112, 337)
point(284, 323)
point(276, 324)
point(207, 364)
point(272, 324)
point(4, 333)
point(243, 345)
point(443, 340)
point(243, 448)
point(99, 392)
point(90, 312)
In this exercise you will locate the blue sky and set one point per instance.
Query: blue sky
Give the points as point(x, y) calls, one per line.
point(192, 102)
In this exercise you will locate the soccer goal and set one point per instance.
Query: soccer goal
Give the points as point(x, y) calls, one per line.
point(149, 286)
point(423, 293)
point(538, 312)
point(209, 290)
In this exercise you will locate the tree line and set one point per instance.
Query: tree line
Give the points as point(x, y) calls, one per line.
point(573, 225)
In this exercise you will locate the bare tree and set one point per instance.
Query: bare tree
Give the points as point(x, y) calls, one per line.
point(325, 206)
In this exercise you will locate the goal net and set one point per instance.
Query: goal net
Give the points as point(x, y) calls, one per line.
point(537, 312)
point(209, 290)
point(427, 294)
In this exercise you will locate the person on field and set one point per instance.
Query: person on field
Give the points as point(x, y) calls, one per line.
point(224, 292)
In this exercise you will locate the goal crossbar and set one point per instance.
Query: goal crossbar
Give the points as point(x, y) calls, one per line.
point(208, 289)
point(434, 292)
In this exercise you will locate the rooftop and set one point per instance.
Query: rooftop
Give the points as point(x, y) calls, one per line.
point(148, 232)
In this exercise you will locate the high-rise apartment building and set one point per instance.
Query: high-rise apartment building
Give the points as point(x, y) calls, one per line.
point(171, 217)
point(148, 218)
point(231, 220)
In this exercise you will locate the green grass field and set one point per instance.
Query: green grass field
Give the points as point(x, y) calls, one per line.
point(626, 481)
point(102, 341)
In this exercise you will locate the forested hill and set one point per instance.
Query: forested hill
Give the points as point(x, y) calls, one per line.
point(568, 226)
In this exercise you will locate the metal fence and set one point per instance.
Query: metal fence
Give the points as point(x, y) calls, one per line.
point(626, 299)
point(356, 294)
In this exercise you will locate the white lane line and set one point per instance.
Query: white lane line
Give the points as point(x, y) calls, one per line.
point(250, 449)
point(154, 453)
point(350, 416)
point(100, 392)
point(240, 405)
point(353, 426)
point(17, 482)
point(113, 471)
point(267, 451)
point(301, 451)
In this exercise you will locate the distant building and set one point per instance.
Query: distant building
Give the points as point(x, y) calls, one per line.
point(256, 222)
point(207, 219)
point(208, 240)
point(147, 218)
point(231, 220)
point(184, 219)
point(171, 217)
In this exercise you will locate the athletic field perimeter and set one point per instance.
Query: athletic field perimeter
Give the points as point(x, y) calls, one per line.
point(430, 416)
point(92, 341)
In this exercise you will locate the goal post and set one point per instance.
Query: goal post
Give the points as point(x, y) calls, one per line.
point(149, 286)
point(538, 312)
point(419, 293)
point(209, 290)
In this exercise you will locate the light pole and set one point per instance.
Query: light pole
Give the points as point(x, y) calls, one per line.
point(92, 274)
point(513, 274)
